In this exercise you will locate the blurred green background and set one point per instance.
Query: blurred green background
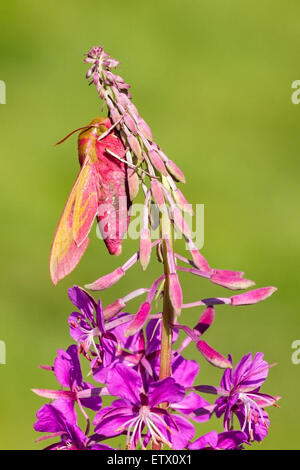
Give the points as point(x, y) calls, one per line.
point(213, 79)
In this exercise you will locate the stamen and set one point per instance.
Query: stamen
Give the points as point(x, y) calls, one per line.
point(135, 429)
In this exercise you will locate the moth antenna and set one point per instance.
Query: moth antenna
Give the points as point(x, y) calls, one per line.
point(73, 132)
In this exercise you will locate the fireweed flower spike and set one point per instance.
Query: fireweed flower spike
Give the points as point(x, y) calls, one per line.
point(135, 356)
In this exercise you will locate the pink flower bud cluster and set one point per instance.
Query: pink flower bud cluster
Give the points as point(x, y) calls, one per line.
point(144, 157)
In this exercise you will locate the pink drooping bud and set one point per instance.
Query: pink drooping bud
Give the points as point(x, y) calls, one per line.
point(175, 293)
point(133, 110)
point(231, 282)
point(157, 193)
point(107, 281)
point(212, 356)
point(139, 319)
point(145, 248)
point(182, 202)
point(199, 261)
point(157, 162)
point(205, 320)
point(133, 184)
point(180, 222)
point(130, 124)
point(135, 146)
point(252, 297)
point(122, 98)
point(175, 171)
point(115, 115)
point(96, 77)
point(145, 129)
point(113, 309)
point(90, 72)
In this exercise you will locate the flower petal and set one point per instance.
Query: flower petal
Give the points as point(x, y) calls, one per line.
point(178, 430)
point(67, 367)
point(49, 419)
point(194, 407)
point(124, 382)
point(113, 425)
point(208, 440)
point(82, 300)
point(77, 322)
point(231, 440)
point(184, 371)
point(113, 309)
point(166, 390)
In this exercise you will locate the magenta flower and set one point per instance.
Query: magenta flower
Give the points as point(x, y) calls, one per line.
point(240, 396)
point(67, 370)
point(88, 328)
point(138, 409)
point(59, 421)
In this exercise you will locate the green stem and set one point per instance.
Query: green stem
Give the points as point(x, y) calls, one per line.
point(166, 333)
point(168, 313)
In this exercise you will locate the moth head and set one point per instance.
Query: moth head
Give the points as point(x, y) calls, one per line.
point(96, 127)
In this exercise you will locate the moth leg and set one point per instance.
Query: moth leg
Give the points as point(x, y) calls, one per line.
point(111, 128)
point(131, 165)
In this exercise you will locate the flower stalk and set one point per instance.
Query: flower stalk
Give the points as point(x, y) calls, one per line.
point(167, 320)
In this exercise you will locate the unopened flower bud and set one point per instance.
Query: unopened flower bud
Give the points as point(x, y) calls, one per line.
point(182, 202)
point(253, 296)
point(212, 356)
point(135, 146)
point(145, 248)
point(175, 171)
point(157, 162)
point(175, 293)
point(180, 222)
point(231, 282)
point(145, 129)
point(139, 319)
point(113, 309)
point(107, 281)
point(157, 193)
